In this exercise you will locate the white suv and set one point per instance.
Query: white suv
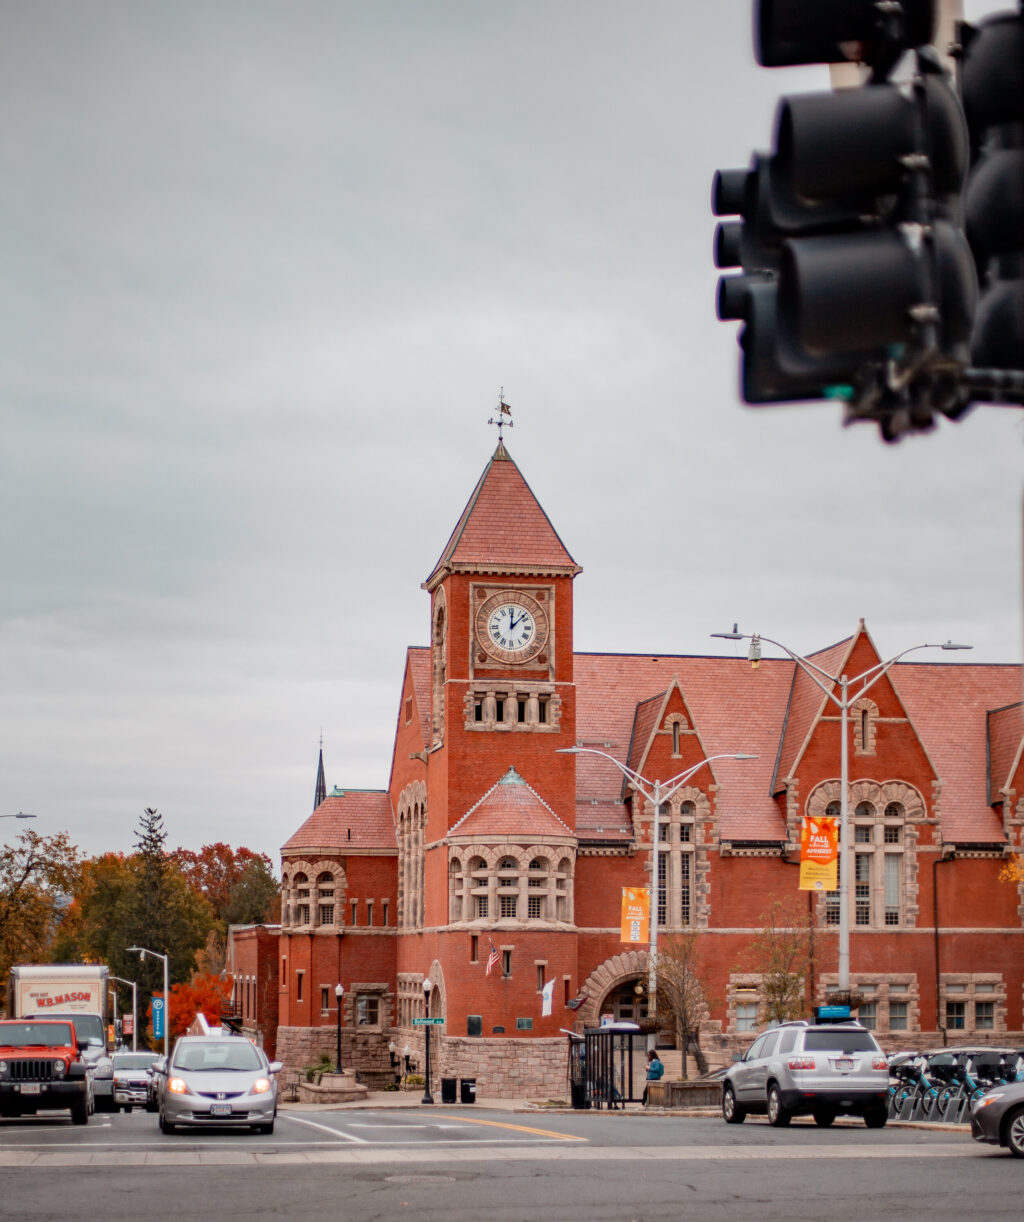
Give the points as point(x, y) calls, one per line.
point(800, 1069)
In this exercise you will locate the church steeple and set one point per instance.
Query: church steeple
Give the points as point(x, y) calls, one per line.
point(321, 784)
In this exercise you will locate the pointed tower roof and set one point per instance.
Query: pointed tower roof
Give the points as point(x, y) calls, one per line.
point(321, 783)
point(503, 529)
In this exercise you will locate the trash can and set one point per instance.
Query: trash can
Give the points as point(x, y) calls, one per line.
point(578, 1091)
point(468, 1090)
point(448, 1090)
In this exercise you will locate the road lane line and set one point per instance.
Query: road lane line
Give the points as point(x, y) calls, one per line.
point(340, 1134)
point(518, 1128)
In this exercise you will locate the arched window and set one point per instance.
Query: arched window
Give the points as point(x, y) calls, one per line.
point(479, 889)
point(300, 883)
point(538, 890)
point(833, 810)
point(455, 890)
point(508, 887)
point(325, 898)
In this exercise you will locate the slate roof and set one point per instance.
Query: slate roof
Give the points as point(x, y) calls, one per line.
point(511, 808)
point(1005, 741)
point(348, 820)
point(503, 529)
point(733, 709)
point(947, 703)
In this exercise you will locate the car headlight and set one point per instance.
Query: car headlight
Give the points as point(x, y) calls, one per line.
point(178, 1086)
point(59, 1069)
point(991, 1097)
point(3, 1066)
point(259, 1087)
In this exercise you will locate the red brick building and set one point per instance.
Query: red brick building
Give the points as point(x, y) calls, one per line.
point(487, 838)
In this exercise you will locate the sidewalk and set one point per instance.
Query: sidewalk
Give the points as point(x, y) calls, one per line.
point(384, 1100)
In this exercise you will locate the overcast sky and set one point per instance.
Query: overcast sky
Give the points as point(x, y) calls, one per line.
point(265, 267)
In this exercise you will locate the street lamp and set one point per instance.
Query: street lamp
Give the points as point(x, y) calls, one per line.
point(135, 1008)
point(142, 952)
point(427, 986)
point(656, 793)
point(339, 993)
point(844, 701)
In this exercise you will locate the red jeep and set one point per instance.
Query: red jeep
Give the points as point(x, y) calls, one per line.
point(41, 1066)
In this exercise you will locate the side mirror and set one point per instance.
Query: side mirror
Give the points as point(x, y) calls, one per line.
point(737, 1056)
point(160, 1065)
point(276, 1066)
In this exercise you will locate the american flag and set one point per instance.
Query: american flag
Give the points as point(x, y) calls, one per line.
point(492, 959)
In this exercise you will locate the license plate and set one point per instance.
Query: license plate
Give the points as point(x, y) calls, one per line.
point(31, 1088)
point(220, 1109)
point(844, 1064)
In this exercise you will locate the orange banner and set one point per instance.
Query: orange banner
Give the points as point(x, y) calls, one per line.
point(636, 914)
point(819, 854)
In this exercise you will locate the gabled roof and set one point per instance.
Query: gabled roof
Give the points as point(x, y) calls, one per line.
point(503, 529)
point(947, 703)
point(650, 714)
point(733, 708)
point(511, 808)
point(348, 820)
point(806, 705)
point(1005, 745)
point(419, 673)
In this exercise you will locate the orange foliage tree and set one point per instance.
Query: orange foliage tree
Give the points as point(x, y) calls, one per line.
point(205, 994)
point(1013, 870)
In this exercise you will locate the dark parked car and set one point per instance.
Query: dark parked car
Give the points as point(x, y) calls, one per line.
point(132, 1077)
point(998, 1118)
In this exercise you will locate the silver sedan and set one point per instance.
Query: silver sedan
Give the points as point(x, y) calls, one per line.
point(213, 1080)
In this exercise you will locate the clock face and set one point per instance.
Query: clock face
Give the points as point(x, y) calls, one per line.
point(512, 627)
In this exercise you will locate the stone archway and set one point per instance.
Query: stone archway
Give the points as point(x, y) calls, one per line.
point(606, 977)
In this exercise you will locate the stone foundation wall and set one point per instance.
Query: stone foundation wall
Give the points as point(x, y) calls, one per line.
point(503, 1069)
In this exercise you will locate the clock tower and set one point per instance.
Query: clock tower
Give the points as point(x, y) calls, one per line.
point(502, 692)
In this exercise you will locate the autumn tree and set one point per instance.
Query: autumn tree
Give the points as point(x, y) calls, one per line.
point(683, 991)
point(238, 884)
point(38, 875)
point(1013, 869)
point(204, 994)
point(782, 955)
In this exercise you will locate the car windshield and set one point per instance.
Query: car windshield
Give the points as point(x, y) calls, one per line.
point(134, 1060)
point(88, 1028)
point(839, 1040)
point(27, 1035)
point(217, 1056)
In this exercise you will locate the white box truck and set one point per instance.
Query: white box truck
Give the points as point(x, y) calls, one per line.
point(77, 991)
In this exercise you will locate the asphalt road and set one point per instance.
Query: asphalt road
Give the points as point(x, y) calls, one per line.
point(358, 1166)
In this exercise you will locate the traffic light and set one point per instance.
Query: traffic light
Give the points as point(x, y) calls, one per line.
point(992, 86)
point(857, 282)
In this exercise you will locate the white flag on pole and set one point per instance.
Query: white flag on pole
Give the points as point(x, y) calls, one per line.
point(547, 993)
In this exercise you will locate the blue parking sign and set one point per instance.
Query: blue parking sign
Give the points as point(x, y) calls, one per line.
point(158, 1018)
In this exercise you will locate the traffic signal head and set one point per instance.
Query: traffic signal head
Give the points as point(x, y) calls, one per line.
point(992, 83)
point(851, 258)
point(788, 32)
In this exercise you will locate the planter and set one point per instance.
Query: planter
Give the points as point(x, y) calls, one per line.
point(684, 1094)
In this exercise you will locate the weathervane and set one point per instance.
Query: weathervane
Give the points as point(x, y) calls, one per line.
point(503, 411)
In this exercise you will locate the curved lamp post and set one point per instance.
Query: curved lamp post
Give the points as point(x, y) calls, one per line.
point(135, 1008)
point(656, 793)
point(142, 952)
point(427, 986)
point(844, 701)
